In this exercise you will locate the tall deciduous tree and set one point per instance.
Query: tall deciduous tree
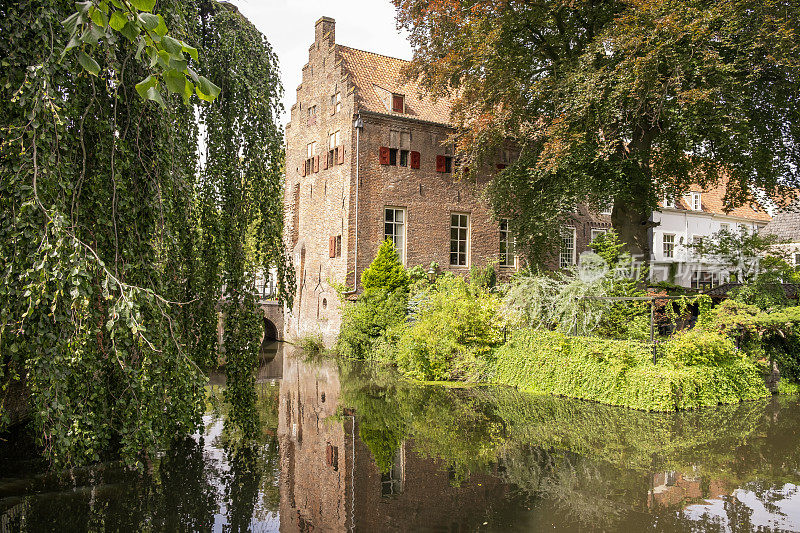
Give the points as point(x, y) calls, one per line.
point(615, 100)
point(119, 244)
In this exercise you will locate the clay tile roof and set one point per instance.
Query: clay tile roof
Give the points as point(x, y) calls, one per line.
point(786, 224)
point(377, 76)
point(712, 202)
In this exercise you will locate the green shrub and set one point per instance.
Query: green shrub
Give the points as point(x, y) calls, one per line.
point(483, 277)
point(311, 344)
point(697, 347)
point(365, 321)
point(453, 332)
point(620, 373)
point(386, 271)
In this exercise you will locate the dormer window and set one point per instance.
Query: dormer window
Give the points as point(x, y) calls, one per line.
point(398, 103)
point(669, 202)
point(697, 204)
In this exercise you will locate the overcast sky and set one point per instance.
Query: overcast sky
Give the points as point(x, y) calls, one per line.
point(289, 27)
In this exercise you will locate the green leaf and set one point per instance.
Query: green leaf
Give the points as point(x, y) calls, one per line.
point(131, 30)
point(143, 86)
point(83, 7)
point(89, 36)
point(88, 63)
point(71, 23)
point(163, 58)
point(175, 81)
point(98, 17)
point(161, 29)
point(193, 74)
point(188, 89)
point(139, 48)
point(149, 21)
point(178, 64)
point(73, 42)
point(143, 5)
point(173, 46)
point(191, 50)
point(206, 90)
point(118, 21)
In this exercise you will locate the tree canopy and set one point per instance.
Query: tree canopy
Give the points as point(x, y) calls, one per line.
point(127, 226)
point(621, 101)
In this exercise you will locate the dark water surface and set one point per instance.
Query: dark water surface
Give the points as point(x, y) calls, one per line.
point(351, 447)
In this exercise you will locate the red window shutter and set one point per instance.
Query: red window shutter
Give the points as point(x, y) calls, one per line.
point(340, 154)
point(384, 155)
point(414, 159)
point(303, 169)
point(332, 247)
point(397, 103)
point(325, 162)
point(441, 163)
point(316, 163)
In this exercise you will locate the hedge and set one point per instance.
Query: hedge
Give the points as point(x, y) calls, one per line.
point(621, 373)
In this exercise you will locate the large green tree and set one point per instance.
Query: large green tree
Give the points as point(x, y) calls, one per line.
point(127, 207)
point(621, 101)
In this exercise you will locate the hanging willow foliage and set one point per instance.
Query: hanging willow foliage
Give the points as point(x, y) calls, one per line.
point(126, 228)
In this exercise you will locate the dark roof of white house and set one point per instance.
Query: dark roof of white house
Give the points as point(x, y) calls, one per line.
point(786, 224)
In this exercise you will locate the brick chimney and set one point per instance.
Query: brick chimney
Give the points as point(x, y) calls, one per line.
point(325, 29)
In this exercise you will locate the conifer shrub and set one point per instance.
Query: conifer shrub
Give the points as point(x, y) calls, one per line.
point(386, 272)
point(383, 304)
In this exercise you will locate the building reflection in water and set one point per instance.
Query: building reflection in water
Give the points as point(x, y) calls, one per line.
point(330, 481)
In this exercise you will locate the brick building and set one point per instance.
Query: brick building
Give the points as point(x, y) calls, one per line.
point(368, 158)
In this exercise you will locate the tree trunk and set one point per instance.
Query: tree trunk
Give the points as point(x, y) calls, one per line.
point(632, 205)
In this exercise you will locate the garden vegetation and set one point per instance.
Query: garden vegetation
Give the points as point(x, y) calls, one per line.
point(557, 333)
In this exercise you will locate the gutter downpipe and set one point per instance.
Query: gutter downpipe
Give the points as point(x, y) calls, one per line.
point(358, 124)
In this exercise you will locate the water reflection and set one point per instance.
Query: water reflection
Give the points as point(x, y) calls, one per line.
point(350, 447)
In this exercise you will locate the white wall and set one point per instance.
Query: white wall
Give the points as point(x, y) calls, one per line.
point(687, 225)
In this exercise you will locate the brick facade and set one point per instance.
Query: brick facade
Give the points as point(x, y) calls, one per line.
point(334, 206)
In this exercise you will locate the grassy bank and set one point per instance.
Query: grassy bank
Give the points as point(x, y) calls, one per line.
point(622, 373)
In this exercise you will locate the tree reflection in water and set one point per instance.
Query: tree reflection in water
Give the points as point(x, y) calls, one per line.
point(344, 446)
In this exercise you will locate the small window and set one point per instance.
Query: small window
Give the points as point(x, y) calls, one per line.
point(669, 202)
point(334, 139)
point(398, 103)
point(394, 224)
point(797, 259)
point(392, 480)
point(668, 245)
point(507, 256)
point(606, 210)
point(459, 239)
point(697, 204)
point(336, 102)
point(392, 156)
point(312, 111)
point(597, 232)
point(567, 256)
point(444, 163)
point(403, 158)
point(704, 280)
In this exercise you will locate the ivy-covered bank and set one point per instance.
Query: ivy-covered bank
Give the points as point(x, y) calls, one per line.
point(558, 333)
point(622, 373)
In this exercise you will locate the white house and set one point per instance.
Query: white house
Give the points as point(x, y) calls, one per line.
point(682, 221)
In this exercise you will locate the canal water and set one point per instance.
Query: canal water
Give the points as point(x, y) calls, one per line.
point(350, 447)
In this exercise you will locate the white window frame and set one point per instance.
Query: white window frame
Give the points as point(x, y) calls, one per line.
point(311, 149)
point(398, 229)
point(568, 232)
point(668, 253)
point(797, 259)
point(459, 240)
point(334, 139)
point(607, 210)
point(724, 226)
point(508, 257)
point(697, 201)
point(336, 101)
point(596, 232)
point(669, 202)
